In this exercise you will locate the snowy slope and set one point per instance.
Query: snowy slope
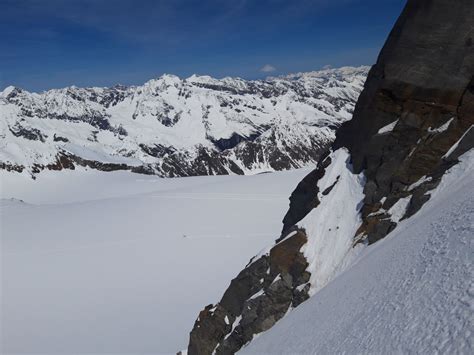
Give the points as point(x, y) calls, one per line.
point(96, 262)
point(331, 226)
point(179, 127)
point(410, 293)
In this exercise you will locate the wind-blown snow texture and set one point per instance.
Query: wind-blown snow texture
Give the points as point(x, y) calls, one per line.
point(96, 262)
point(412, 292)
point(180, 127)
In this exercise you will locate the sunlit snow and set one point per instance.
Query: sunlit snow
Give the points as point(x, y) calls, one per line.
point(117, 262)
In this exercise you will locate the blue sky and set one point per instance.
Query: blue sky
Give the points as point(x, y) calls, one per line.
point(54, 43)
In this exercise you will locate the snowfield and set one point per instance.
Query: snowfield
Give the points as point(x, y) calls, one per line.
point(412, 292)
point(97, 262)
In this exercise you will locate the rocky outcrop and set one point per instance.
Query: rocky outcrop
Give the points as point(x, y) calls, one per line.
point(421, 90)
point(258, 297)
point(411, 123)
point(417, 103)
point(305, 197)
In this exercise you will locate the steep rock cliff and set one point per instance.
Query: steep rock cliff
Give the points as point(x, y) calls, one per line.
point(412, 121)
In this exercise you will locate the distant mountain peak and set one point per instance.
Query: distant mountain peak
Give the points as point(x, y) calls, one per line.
point(179, 127)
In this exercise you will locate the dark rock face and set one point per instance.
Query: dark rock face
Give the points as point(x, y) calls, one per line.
point(62, 162)
point(413, 120)
point(233, 140)
point(29, 133)
point(12, 167)
point(248, 152)
point(423, 81)
point(258, 297)
point(157, 150)
point(60, 139)
point(305, 197)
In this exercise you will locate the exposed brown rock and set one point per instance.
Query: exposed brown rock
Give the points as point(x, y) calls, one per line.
point(258, 297)
point(423, 81)
point(62, 162)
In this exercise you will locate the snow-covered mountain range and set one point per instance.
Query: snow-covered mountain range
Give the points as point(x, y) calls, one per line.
point(179, 127)
point(375, 252)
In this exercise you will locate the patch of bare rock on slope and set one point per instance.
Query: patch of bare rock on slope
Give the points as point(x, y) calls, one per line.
point(411, 123)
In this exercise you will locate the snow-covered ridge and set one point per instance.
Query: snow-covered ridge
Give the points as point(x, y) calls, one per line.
point(176, 127)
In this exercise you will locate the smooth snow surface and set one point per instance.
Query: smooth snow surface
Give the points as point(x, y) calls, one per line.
point(410, 293)
point(116, 262)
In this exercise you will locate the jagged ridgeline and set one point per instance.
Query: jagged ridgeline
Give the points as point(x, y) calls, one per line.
point(412, 122)
point(179, 127)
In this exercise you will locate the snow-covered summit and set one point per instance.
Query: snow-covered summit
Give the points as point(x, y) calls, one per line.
point(178, 127)
point(7, 91)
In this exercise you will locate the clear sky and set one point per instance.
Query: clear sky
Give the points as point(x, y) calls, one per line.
point(55, 43)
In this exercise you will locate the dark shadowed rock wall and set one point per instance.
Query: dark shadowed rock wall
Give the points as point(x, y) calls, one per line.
point(424, 81)
point(411, 123)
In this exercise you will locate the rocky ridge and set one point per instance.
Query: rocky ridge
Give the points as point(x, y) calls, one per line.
point(179, 127)
point(411, 123)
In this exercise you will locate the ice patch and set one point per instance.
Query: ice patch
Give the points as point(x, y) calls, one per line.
point(419, 182)
point(387, 128)
point(234, 325)
point(441, 128)
point(277, 278)
point(455, 145)
point(257, 294)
